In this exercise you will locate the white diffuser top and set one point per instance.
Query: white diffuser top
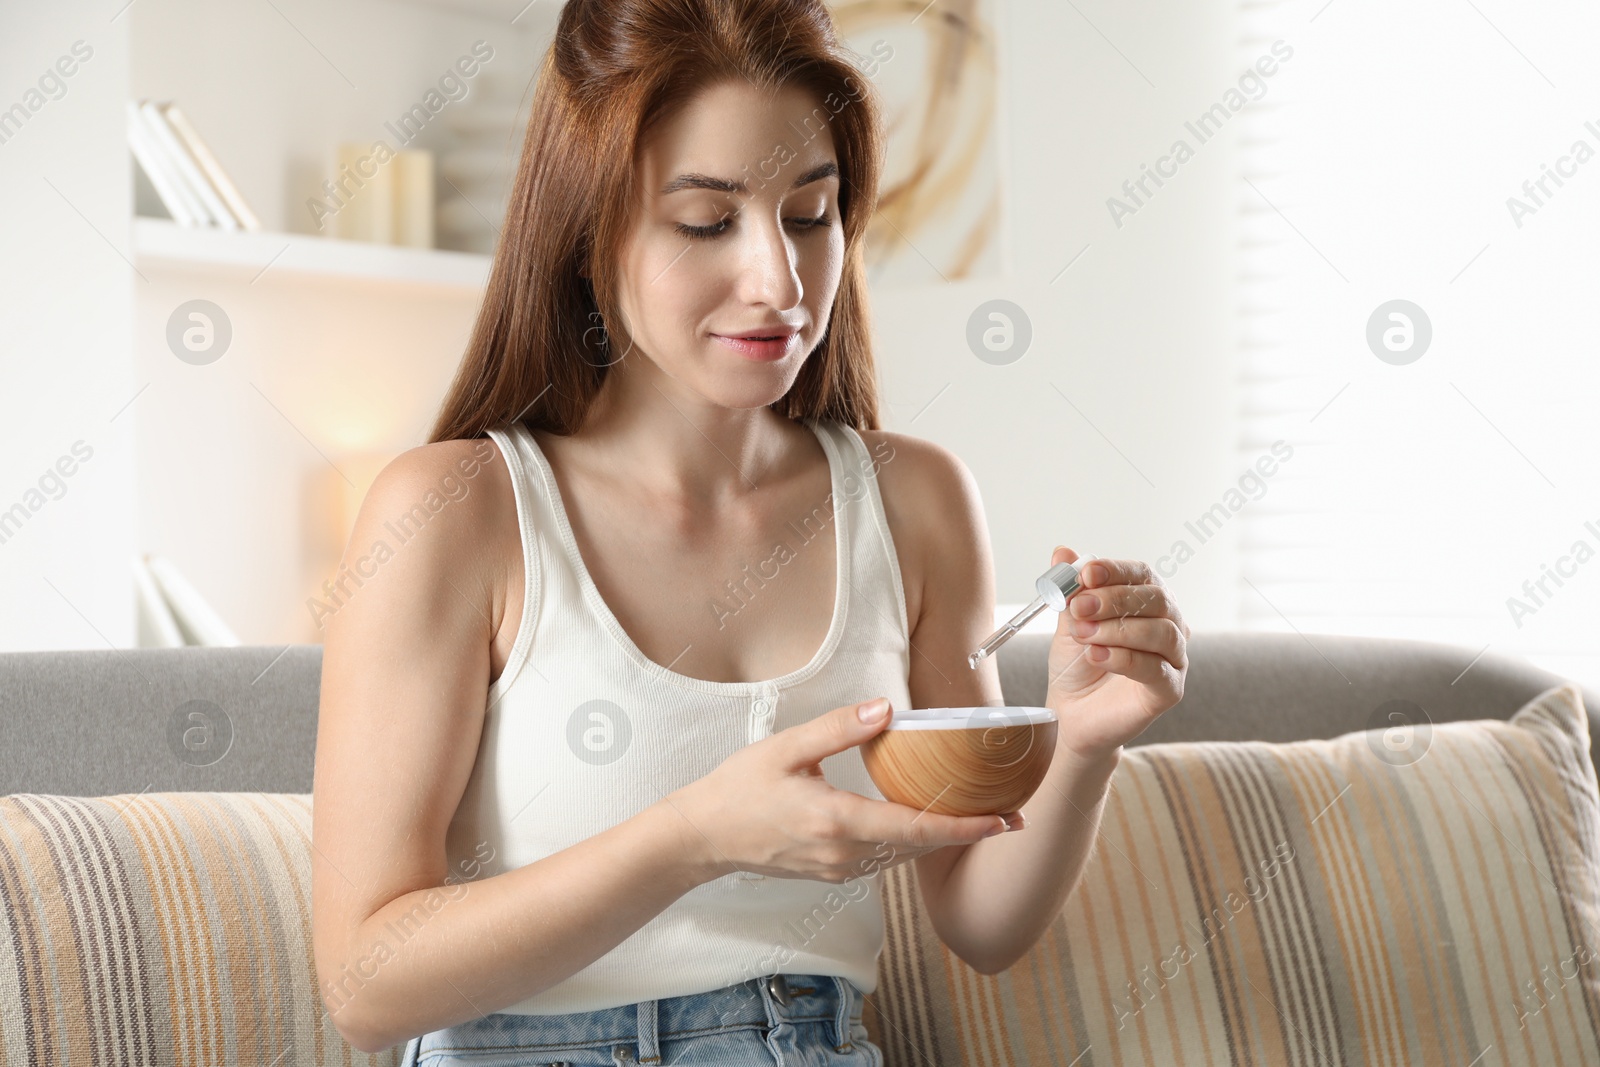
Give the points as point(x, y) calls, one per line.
point(984, 718)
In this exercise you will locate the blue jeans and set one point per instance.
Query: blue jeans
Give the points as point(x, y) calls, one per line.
point(791, 1020)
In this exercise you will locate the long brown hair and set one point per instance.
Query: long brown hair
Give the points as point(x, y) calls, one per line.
point(549, 325)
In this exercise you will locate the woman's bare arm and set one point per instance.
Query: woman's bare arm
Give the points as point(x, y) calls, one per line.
point(989, 901)
point(401, 949)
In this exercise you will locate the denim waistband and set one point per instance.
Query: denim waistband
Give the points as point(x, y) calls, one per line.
point(759, 1003)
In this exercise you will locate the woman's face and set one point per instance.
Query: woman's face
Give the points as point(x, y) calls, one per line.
point(724, 242)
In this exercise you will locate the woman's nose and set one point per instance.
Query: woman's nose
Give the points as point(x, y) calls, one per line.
point(770, 272)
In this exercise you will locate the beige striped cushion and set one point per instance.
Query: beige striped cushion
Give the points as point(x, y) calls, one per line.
point(1442, 912)
point(169, 928)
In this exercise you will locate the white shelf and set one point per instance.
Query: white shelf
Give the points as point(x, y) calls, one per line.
point(164, 245)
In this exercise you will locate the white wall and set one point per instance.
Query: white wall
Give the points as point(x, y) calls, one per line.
point(1138, 333)
point(65, 319)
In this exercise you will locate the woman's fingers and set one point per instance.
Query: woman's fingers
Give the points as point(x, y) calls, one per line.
point(906, 828)
point(1150, 669)
point(1159, 637)
point(1114, 601)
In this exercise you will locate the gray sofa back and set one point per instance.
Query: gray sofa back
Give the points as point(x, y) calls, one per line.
point(244, 719)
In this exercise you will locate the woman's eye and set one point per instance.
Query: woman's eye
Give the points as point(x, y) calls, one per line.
point(714, 230)
point(718, 228)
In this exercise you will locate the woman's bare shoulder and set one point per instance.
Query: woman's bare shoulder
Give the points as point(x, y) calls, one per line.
point(449, 502)
point(917, 473)
point(465, 478)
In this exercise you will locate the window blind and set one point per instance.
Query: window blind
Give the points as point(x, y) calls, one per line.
point(1451, 495)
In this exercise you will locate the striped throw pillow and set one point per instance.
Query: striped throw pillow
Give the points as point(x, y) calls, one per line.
point(155, 929)
point(1399, 896)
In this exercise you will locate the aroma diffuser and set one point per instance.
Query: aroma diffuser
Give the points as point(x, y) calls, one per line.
point(962, 761)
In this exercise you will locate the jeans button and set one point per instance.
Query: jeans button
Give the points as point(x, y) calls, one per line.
point(779, 988)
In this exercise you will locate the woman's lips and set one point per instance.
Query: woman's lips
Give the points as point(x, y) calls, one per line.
point(762, 351)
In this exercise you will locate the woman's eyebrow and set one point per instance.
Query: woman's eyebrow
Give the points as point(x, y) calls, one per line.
point(829, 169)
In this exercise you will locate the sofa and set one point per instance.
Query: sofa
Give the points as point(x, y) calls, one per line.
point(155, 868)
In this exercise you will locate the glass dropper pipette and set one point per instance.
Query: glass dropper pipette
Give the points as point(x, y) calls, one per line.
point(1055, 587)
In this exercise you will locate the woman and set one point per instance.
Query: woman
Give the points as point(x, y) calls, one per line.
point(578, 795)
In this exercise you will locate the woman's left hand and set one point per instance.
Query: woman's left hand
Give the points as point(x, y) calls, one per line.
point(1118, 658)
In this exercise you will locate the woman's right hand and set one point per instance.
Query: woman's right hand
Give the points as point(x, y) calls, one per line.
point(767, 809)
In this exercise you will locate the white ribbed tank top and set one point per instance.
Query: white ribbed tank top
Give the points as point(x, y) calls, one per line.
point(582, 731)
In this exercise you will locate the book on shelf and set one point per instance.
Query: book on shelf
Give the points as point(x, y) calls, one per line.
point(154, 165)
point(179, 120)
point(196, 621)
point(183, 170)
